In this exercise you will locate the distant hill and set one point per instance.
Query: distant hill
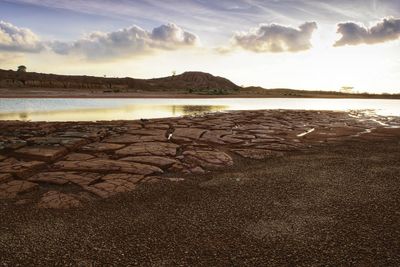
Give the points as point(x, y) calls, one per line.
point(196, 81)
point(191, 82)
point(293, 93)
point(186, 85)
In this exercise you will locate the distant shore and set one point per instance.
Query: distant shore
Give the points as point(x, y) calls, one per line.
point(14, 84)
point(79, 93)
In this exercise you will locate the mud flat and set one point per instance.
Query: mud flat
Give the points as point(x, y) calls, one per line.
point(246, 187)
point(76, 162)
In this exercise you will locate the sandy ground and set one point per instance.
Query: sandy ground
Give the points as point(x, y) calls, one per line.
point(334, 206)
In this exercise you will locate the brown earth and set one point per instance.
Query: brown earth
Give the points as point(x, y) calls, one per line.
point(335, 206)
point(238, 188)
point(81, 155)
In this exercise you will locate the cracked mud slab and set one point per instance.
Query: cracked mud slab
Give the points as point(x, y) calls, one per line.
point(104, 159)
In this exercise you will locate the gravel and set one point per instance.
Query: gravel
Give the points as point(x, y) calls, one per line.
point(336, 206)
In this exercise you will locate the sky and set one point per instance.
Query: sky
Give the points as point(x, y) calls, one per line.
point(301, 44)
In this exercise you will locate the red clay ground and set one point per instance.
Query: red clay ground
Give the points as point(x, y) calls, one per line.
point(240, 188)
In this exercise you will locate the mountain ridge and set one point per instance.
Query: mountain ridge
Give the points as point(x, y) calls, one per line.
point(188, 84)
point(187, 81)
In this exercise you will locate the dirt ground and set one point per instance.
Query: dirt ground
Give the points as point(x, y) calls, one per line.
point(337, 205)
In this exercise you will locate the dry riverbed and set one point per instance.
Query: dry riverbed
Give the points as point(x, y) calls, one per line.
point(238, 188)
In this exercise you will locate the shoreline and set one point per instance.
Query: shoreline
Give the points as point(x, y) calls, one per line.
point(183, 97)
point(74, 93)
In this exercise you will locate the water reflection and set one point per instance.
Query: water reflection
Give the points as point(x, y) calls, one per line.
point(188, 109)
point(131, 109)
point(129, 112)
point(23, 116)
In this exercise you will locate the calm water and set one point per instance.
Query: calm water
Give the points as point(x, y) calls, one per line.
point(129, 109)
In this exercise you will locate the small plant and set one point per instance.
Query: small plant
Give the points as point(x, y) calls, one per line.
point(21, 68)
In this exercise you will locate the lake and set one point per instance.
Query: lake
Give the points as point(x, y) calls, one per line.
point(46, 109)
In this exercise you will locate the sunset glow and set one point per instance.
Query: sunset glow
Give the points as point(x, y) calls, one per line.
point(273, 44)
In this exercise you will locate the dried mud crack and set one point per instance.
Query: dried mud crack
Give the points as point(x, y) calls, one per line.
point(102, 159)
point(329, 197)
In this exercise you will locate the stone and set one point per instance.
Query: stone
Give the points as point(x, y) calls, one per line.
point(154, 179)
point(21, 169)
point(130, 139)
point(161, 162)
point(244, 136)
point(254, 128)
point(62, 178)
point(381, 133)
point(12, 188)
point(5, 177)
point(57, 178)
point(209, 160)
point(148, 132)
point(262, 140)
point(133, 126)
point(231, 140)
point(393, 131)
point(41, 153)
point(150, 180)
point(321, 134)
point(105, 165)
point(11, 143)
point(70, 143)
point(277, 147)
point(111, 187)
point(256, 153)
point(187, 133)
point(58, 200)
point(149, 149)
point(101, 147)
point(133, 153)
point(78, 157)
point(215, 136)
point(93, 136)
point(159, 126)
point(265, 133)
point(197, 170)
point(123, 176)
point(267, 136)
point(177, 167)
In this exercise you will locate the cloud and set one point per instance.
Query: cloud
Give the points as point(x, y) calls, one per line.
point(355, 34)
point(276, 38)
point(128, 41)
point(14, 39)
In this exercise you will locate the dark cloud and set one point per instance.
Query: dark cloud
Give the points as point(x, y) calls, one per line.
point(16, 39)
point(355, 34)
point(276, 38)
point(128, 41)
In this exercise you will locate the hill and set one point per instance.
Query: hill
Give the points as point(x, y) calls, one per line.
point(191, 82)
point(188, 84)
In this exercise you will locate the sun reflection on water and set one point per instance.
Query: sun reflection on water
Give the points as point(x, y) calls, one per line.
point(132, 109)
point(131, 112)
